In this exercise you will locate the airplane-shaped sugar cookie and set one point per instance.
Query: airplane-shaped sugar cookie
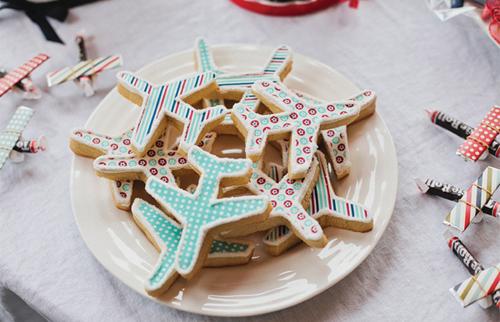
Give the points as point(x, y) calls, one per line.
point(165, 234)
point(157, 162)
point(473, 200)
point(289, 200)
point(478, 142)
point(11, 143)
point(479, 286)
point(326, 208)
point(293, 117)
point(84, 72)
point(334, 142)
point(232, 85)
point(19, 78)
point(203, 214)
point(89, 144)
point(171, 100)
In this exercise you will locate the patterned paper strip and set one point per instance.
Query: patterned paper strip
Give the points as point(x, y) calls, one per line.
point(482, 136)
point(84, 68)
point(15, 76)
point(474, 199)
point(13, 131)
point(478, 286)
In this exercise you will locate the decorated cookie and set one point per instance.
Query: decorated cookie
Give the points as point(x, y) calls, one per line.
point(337, 150)
point(232, 86)
point(205, 63)
point(275, 171)
point(165, 234)
point(91, 145)
point(202, 214)
point(334, 141)
point(171, 100)
point(157, 162)
point(327, 208)
point(293, 115)
point(289, 199)
point(278, 66)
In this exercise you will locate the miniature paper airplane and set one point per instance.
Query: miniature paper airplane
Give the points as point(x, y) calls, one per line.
point(19, 78)
point(11, 143)
point(474, 199)
point(479, 286)
point(482, 137)
point(474, 267)
point(85, 70)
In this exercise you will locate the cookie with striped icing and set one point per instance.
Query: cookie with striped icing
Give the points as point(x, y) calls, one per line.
point(233, 85)
point(171, 101)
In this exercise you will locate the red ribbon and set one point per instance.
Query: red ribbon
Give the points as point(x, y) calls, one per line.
point(291, 9)
point(491, 12)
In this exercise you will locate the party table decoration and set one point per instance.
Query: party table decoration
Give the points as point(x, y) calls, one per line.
point(11, 143)
point(482, 137)
point(38, 12)
point(83, 72)
point(486, 13)
point(289, 7)
point(19, 78)
point(474, 198)
point(194, 202)
point(447, 191)
point(472, 264)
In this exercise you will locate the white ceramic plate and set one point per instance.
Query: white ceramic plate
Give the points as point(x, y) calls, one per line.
point(267, 283)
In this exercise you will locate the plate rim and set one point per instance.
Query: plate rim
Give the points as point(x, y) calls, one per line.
point(286, 303)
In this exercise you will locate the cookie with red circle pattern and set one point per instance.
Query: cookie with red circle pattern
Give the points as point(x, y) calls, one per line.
point(292, 117)
point(157, 162)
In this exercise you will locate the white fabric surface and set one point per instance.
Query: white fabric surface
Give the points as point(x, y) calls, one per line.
point(398, 48)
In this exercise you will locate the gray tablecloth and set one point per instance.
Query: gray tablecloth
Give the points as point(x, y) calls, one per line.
point(398, 48)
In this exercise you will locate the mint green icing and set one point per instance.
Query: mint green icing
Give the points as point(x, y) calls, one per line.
point(202, 211)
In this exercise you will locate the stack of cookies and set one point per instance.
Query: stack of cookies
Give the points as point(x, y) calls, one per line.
point(203, 223)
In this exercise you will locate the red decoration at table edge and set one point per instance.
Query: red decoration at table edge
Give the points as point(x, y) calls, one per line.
point(294, 8)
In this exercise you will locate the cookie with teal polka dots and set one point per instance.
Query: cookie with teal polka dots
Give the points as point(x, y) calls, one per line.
point(165, 234)
point(202, 213)
point(90, 144)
